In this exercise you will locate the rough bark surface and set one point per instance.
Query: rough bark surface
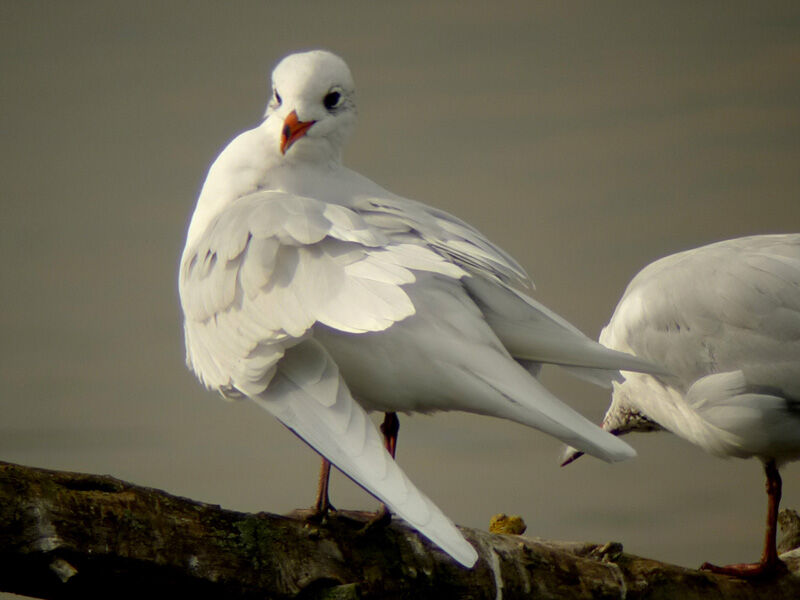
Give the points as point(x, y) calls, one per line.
point(74, 535)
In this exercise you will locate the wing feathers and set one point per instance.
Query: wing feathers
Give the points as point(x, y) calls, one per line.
point(726, 306)
point(530, 403)
point(273, 264)
point(257, 269)
point(532, 332)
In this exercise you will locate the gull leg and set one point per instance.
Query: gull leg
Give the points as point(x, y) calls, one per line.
point(770, 564)
point(389, 428)
point(322, 505)
point(774, 486)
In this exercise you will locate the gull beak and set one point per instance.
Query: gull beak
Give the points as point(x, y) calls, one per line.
point(293, 130)
point(570, 454)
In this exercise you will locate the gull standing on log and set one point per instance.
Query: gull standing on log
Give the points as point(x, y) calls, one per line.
point(724, 320)
point(321, 296)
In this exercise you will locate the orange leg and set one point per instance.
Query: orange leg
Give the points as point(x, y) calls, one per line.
point(389, 428)
point(770, 563)
point(323, 505)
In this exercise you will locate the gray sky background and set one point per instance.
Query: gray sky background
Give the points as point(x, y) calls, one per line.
point(587, 139)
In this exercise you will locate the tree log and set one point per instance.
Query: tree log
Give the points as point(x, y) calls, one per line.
point(74, 535)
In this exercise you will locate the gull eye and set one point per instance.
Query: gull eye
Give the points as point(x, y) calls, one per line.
point(277, 97)
point(332, 100)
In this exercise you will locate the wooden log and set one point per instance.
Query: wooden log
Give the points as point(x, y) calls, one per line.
point(66, 535)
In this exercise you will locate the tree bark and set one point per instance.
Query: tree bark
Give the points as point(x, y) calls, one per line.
point(74, 535)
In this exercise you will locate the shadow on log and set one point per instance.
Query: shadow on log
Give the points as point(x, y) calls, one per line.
point(73, 535)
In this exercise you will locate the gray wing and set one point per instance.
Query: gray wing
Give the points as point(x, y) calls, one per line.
point(729, 306)
point(530, 331)
point(451, 237)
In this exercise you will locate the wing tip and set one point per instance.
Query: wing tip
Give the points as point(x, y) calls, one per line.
point(461, 551)
point(469, 559)
point(619, 452)
point(609, 450)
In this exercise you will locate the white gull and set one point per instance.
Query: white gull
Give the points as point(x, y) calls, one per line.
point(724, 320)
point(321, 296)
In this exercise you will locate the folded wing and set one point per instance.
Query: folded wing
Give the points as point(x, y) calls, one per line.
point(498, 284)
point(266, 270)
point(729, 306)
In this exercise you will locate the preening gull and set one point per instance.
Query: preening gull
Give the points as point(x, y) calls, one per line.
point(724, 320)
point(321, 296)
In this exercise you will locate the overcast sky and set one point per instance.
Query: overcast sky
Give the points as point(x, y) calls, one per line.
point(587, 139)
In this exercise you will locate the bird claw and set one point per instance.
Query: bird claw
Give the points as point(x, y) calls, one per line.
point(319, 514)
point(381, 519)
point(747, 570)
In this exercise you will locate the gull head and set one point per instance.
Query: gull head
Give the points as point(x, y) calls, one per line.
point(312, 110)
point(621, 418)
point(310, 115)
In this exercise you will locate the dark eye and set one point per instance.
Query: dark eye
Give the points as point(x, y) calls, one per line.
point(331, 100)
point(277, 97)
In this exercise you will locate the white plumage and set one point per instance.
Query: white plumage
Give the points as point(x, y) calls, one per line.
point(320, 295)
point(724, 321)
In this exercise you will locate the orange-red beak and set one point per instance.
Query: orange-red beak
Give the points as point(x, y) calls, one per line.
point(293, 130)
